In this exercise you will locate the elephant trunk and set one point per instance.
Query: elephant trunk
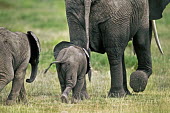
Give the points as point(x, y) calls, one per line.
point(87, 4)
point(156, 36)
point(34, 68)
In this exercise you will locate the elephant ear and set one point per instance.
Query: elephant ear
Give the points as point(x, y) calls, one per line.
point(156, 8)
point(60, 46)
point(35, 47)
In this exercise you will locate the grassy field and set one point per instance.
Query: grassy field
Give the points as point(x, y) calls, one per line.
point(46, 18)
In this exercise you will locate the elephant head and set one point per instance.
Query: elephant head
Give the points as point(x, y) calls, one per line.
point(35, 53)
point(156, 8)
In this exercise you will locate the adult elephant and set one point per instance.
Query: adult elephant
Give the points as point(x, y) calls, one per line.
point(112, 23)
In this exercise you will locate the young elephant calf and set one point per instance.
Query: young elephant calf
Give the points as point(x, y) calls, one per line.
point(17, 50)
point(72, 66)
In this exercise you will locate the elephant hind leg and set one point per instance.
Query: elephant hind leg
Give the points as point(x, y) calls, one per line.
point(77, 89)
point(84, 94)
point(71, 78)
point(17, 83)
point(4, 80)
point(64, 96)
point(22, 95)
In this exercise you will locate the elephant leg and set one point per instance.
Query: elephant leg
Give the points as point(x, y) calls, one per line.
point(17, 83)
point(64, 96)
point(117, 89)
point(62, 81)
point(71, 78)
point(84, 94)
point(124, 77)
point(76, 22)
point(139, 78)
point(77, 89)
point(22, 95)
point(6, 76)
point(4, 80)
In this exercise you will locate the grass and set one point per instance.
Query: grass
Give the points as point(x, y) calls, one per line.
point(48, 21)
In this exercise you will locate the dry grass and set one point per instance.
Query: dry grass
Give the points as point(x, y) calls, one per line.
point(47, 19)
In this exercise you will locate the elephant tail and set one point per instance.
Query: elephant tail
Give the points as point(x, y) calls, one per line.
point(55, 62)
point(156, 36)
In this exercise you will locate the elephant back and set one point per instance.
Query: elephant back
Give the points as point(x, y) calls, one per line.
point(60, 46)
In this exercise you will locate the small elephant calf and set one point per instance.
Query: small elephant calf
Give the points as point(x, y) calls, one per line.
point(17, 50)
point(72, 65)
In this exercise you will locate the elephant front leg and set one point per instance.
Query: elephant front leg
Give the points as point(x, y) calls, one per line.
point(117, 89)
point(124, 77)
point(139, 78)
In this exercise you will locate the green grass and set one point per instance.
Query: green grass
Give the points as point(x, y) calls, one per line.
point(46, 18)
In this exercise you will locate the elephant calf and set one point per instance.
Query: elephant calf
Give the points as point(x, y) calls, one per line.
point(72, 66)
point(17, 50)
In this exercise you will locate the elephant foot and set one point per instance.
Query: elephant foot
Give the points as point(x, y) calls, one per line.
point(75, 101)
point(138, 81)
point(84, 95)
point(117, 94)
point(22, 98)
point(64, 98)
point(10, 102)
point(128, 92)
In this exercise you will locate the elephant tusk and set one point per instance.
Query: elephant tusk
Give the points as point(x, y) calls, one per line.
point(156, 36)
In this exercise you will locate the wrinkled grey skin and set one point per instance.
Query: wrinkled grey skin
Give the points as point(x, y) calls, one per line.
point(113, 23)
point(15, 55)
point(71, 64)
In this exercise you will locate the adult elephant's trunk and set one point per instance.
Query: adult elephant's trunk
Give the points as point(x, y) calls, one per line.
point(87, 4)
point(156, 36)
point(34, 68)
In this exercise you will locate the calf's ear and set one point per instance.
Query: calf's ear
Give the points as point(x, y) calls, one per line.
point(156, 8)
